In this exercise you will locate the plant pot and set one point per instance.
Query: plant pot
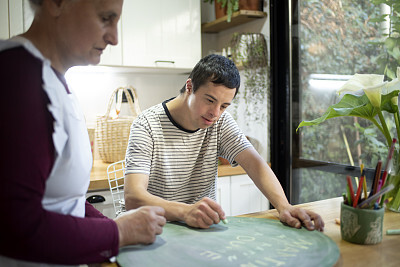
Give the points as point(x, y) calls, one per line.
point(219, 11)
point(250, 5)
point(249, 50)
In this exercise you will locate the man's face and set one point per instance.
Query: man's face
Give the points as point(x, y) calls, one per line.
point(86, 27)
point(208, 103)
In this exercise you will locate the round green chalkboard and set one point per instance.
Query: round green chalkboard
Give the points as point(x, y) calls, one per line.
point(240, 242)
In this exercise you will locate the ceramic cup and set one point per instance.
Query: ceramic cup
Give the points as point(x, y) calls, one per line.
point(361, 226)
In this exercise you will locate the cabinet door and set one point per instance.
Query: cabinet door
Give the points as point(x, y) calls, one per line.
point(4, 34)
point(245, 196)
point(161, 33)
point(15, 17)
point(224, 194)
point(20, 16)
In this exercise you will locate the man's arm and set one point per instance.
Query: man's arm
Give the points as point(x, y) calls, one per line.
point(266, 181)
point(202, 214)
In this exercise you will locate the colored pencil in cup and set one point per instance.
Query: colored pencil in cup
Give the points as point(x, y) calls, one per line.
point(388, 162)
point(360, 185)
point(364, 184)
point(377, 176)
point(351, 197)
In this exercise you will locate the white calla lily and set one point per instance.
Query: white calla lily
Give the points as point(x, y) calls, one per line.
point(374, 94)
point(371, 84)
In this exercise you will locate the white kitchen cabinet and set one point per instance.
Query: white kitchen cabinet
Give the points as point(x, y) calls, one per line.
point(246, 197)
point(4, 32)
point(239, 195)
point(161, 34)
point(16, 17)
point(224, 193)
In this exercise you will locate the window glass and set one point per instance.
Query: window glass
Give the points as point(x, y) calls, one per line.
point(332, 40)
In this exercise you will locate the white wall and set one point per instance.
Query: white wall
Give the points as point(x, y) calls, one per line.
point(93, 87)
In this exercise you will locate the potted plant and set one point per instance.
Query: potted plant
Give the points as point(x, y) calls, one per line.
point(369, 97)
point(227, 7)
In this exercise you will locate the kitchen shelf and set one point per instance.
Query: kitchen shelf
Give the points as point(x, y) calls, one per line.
point(238, 17)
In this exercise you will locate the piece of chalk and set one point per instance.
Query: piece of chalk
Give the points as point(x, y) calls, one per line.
point(225, 221)
point(393, 232)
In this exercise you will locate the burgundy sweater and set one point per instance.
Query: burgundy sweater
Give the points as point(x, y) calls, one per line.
point(27, 231)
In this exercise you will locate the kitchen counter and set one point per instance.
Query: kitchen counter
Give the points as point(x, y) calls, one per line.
point(99, 181)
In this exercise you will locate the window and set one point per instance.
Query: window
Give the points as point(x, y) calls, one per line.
point(329, 41)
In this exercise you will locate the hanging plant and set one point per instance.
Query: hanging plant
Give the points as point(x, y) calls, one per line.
point(230, 6)
point(249, 51)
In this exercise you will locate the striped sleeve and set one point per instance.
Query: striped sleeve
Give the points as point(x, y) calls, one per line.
point(232, 140)
point(139, 152)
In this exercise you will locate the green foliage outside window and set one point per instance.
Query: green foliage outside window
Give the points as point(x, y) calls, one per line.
point(388, 59)
point(338, 37)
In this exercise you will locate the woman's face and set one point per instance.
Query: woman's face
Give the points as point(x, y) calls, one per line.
point(85, 28)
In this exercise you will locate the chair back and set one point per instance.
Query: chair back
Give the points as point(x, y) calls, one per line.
point(116, 176)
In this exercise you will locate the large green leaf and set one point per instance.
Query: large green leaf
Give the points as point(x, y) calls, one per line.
point(353, 105)
point(387, 104)
point(349, 105)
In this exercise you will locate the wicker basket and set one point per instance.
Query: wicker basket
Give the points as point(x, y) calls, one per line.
point(112, 134)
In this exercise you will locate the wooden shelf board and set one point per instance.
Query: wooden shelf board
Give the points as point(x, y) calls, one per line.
point(238, 17)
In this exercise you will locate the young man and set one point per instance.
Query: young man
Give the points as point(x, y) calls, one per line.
point(173, 150)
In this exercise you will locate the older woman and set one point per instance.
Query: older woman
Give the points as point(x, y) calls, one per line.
point(46, 158)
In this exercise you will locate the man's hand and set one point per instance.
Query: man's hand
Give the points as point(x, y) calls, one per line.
point(140, 226)
point(204, 213)
point(296, 217)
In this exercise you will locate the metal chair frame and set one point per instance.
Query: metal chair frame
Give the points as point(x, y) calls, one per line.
point(116, 176)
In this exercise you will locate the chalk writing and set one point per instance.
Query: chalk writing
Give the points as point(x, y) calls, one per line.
point(245, 242)
point(232, 258)
point(211, 255)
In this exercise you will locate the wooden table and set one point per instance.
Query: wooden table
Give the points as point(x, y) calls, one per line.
point(386, 253)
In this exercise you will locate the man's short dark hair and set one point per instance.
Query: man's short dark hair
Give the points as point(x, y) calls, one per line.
point(216, 69)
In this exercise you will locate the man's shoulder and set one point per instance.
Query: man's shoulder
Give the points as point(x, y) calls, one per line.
point(155, 110)
point(150, 115)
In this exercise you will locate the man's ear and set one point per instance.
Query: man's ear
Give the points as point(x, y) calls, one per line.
point(189, 86)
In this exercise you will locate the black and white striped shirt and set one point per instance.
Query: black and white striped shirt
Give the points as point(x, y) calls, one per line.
point(181, 164)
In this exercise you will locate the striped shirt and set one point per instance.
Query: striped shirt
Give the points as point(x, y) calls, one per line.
point(182, 165)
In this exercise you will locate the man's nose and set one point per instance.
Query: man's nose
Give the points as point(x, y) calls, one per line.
point(215, 111)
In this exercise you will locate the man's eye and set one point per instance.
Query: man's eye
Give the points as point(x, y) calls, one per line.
point(211, 101)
